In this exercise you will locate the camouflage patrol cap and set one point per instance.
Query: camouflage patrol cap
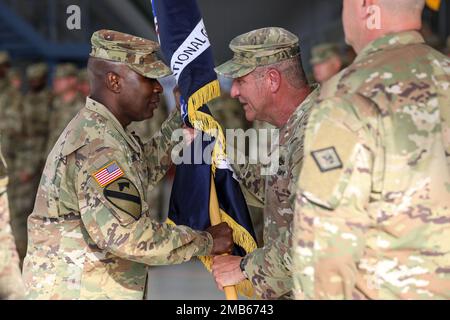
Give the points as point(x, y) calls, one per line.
point(137, 53)
point(259, 47)
point(4, 57)
point(66, 70)
point(36, 70)
point(323, 52)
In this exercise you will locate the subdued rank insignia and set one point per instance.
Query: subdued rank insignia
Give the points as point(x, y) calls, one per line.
point(327, 159)
point(124, 195)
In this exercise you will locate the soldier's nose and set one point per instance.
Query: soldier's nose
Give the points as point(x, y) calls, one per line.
point(234, 92)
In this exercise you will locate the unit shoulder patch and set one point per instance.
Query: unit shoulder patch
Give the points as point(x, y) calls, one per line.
point(327, 159)
point(124, 195)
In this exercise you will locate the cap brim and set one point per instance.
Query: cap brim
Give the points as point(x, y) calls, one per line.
point(232, 69)
point(154, 70)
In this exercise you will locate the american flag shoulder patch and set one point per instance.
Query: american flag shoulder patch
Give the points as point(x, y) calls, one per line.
point(109, 173)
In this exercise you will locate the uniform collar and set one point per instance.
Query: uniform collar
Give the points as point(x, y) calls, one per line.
point(312, 95)
point(390, 41)
point(99, 108)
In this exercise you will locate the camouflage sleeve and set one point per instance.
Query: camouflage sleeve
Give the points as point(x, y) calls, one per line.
point(11, 285)
point(117, 218)
point(269, 268)
point(252, 182)
point(158, 149)
point(333, 192)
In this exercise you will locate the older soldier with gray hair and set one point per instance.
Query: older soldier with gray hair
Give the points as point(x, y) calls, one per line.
point(372, 217)
point(90, 234)
point(269, 81)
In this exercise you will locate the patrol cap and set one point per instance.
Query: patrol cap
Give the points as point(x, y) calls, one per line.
point(323, 52)
point(66, 70)
point(4, 57)
point(137, 53)
point(259, 47)
point(36, 70)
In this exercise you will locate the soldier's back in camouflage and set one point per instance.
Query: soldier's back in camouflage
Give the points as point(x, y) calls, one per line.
point(372, 218)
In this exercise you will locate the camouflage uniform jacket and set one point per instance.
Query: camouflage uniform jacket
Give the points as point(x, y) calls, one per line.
point(269, 267)
point(90, 234)
point(372, 216)
point(11, 285)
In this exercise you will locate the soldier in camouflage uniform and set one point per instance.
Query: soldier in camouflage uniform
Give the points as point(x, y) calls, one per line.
point(11, 285)
point(66, 103)
point(270, 83)
point(90, 235)
point(372, 215)
point(83, 82)
point(10, 129)
point(326, 61)
point(31, 157)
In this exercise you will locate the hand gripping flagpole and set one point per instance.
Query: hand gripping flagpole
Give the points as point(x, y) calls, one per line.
point(214, 214)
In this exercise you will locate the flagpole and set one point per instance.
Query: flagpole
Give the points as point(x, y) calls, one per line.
point(214, 215)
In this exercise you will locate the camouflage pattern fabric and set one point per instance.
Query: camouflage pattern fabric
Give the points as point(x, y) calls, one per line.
point(259, 48)
point(372, 214)
point(90, 233)
point(61, 112)
point(30, 160)
point(323, 52)
point(11, 141)
point(269, 268)
point(11, 285)
point(115, 46)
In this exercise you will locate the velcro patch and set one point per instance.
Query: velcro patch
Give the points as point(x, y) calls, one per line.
point(108, 174)
point(327, 159)
point(124, 195)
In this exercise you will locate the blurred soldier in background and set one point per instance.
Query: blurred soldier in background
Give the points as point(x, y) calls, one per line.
point(10, 128)
point(15, 78)
point(31, 157)
point(326, 61)
point(83, 82)
point(11, 285)
point(66, 103)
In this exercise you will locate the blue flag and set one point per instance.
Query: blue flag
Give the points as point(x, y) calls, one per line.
point(185, 44)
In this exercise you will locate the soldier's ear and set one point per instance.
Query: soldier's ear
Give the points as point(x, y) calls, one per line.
point(113, 82)
point(274, 78)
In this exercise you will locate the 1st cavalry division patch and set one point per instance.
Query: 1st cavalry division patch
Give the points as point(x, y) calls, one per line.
point(124, 195)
